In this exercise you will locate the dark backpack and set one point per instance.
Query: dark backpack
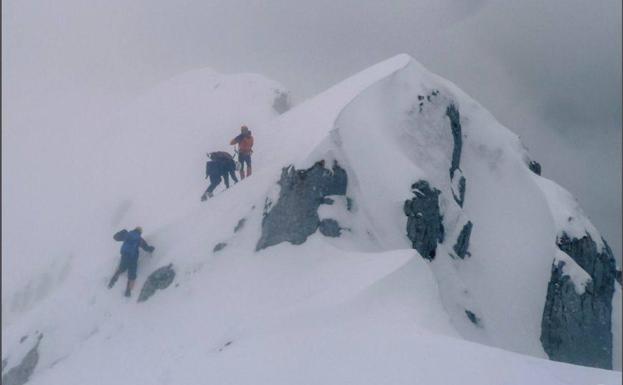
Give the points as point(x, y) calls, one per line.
point(212, 168)
point(218, 155)
point(120, 236)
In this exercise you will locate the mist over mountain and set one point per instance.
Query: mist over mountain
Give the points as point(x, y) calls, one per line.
point(392, 231)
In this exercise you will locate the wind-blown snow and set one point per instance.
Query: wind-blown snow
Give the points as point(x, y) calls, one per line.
point(362, 308)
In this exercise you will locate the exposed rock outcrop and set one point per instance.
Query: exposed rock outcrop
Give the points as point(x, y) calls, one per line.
point(576, 327)
point(473, 318)
point(456, 176)
point(424, 220)
point(240, 225)
point(20, 374)
point(295, 215)
point(458, 187)
point(219, 246)
point(461, 246)
point(330, 228)
point(535, 167)
point(160, 279)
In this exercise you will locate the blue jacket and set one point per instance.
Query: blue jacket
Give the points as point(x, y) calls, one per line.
point(132, 240)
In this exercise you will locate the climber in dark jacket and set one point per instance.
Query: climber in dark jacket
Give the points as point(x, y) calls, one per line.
point(245, 149)
point(132, 240)
point(221, 164)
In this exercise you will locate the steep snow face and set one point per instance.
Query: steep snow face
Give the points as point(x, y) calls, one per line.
point(141, 165)
point(411, 126)
point(360, 307)
point(167, 134)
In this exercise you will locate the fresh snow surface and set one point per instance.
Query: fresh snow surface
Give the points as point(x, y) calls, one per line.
point(142, 165)
point(567, 213)
point(578, 276)
point(363, 308)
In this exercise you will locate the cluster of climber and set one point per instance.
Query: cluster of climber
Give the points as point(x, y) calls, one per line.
point(221, 165)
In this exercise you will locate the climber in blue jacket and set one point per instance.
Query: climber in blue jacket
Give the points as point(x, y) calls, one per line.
point(132, 240)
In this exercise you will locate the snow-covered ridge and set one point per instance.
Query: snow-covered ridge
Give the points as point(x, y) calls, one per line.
point(142, 164)
point(396, 131)
point(363, 306)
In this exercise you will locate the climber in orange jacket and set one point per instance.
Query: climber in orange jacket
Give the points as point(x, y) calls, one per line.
point(245, 149)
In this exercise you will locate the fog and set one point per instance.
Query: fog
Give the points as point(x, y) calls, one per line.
point(550, 71)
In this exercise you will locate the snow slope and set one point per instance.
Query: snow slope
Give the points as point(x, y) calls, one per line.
point(142, 163)
point(362, 308)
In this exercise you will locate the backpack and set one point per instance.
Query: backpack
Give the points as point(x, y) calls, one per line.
point(218, 155)
point(212, 168)
point(120, 236)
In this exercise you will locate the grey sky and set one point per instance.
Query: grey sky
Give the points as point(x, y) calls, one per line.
point(549, 70)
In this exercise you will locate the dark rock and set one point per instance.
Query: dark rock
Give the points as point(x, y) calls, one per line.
point(21, 340)
point(295, 215)
point(455, 124)
point(281, 103)
point(424, 221)
point(327, 201)
point(21, 373)
point(240, 225)
point(452, 113)
point(461, 191)
point(349, 204)
point(219, 246)
point(160, 279)
point(4, 363)
point(473, 318)
point(576, 328)
point(268, 203)
point(618, 277)
point(330, 228)
point(535, 167)
point(462, 242)
point(461, 186)
point(420, 97)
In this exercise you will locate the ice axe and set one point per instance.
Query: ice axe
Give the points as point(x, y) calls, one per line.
point(235, 160)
